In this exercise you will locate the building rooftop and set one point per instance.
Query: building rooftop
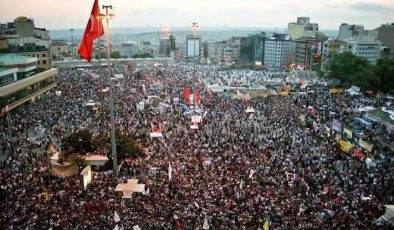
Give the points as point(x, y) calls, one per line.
point(13, 59)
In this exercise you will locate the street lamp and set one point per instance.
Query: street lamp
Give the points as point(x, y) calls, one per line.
point(194, 28)
point(108, 16)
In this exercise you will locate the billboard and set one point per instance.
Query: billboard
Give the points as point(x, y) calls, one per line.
point(193, 48)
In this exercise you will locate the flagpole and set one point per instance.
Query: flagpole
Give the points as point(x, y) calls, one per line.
point(107, 16)
point(101, 94)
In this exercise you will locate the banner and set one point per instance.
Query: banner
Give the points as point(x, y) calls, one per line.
point(187, 96)
point(365, 145)
point(86, 176)
point(357, 153)
point(336, 90)
point(344, 145)
point(348, 133)
point(336, 125)
point(283, 93)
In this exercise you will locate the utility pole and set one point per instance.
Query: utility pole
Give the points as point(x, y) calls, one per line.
point(72, 47)
point(194, 27)
point(108, 16)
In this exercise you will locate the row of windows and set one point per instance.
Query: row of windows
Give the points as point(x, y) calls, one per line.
point(38, 55)
point(14, 97)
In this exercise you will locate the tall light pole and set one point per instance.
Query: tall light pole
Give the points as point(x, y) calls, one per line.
point(108, 16)
point(72, 47)
point(194, 28)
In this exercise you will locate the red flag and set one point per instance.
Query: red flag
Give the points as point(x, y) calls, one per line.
point(93, 30)
point(187, 96)
point(197, 97)
point(359, 154)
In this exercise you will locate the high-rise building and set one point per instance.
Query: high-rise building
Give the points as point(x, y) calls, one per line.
point(367, 49)
point(22, 37)
point(302, 28)
point(165, 47)
point(386, 35)
point(193, 44)
point(349, 31)
point(279, 50)
point(21, 80)
point(308, 52)
point(172, 42)
point(252, 49)
point(224, 51)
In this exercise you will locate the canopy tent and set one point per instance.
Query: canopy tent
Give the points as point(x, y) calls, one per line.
point(156, 135)
point(249, 110)
point(389, 214)
point(129, 188)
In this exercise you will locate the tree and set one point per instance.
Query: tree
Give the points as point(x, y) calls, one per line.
point(385, 69)
point(352, 70)
point(79, 142)
point(144, 55)
point(125, 146)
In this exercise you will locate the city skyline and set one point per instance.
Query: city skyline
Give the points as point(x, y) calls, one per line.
point(329, 14)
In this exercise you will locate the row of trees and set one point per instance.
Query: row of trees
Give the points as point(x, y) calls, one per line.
point(78, 144)
point(350, 70)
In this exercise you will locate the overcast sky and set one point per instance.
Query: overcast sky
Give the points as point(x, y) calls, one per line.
point(329, 14)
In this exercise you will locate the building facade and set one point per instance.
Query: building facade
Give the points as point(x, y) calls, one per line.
point(386, 35)
point(302, 28)
point(60, 50)
point(23, 38)
point(252, 49)
point(308, 52)
point(279, 51)
point(347, 31)
point(369, 50)
point(193, 44)
point(22, 81)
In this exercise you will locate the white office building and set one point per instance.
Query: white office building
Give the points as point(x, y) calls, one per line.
point(278, 51)
point(367, 49)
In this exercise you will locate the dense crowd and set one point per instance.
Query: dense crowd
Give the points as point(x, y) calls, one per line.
point(234, 171)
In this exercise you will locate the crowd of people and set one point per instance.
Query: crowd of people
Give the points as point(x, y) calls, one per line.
point(238, 170)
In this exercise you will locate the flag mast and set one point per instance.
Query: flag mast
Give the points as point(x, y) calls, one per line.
point(108, 16)
point(101, 94)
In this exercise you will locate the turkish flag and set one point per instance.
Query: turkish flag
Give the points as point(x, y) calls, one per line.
point(187, 96)
point(93, 30)
point(197, 97)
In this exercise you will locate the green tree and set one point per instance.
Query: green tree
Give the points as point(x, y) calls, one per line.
point(79, 142)
point(115, 54)
point(352, 70)
point(385, 70)
point(144, 55)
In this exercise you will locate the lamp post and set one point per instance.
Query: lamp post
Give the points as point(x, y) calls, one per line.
point(108, 16)
point(72, 47)
point(194, 28)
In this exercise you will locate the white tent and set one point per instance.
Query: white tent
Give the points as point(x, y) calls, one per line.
point(156, 135)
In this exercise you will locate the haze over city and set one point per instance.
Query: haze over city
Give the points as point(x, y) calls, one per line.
point(177, 13)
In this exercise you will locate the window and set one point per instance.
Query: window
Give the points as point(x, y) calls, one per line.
point(43, 55)
point(44, 62)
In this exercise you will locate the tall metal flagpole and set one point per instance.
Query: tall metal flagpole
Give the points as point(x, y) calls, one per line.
point(101, 94)
point(107, 16)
